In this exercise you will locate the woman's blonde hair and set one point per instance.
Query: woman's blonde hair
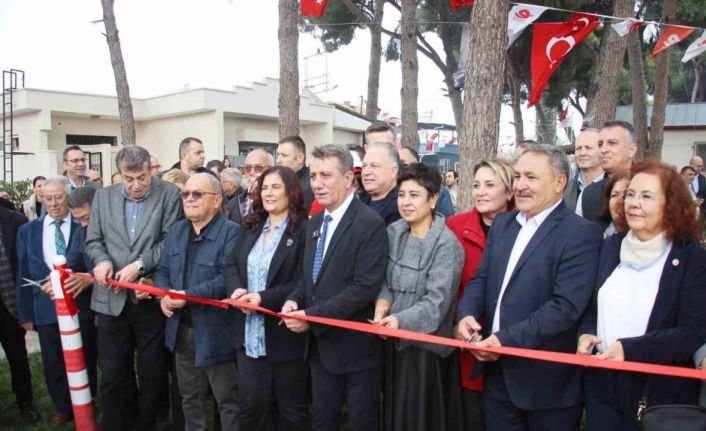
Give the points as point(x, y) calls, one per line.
point(175, 176)
point(502, 170)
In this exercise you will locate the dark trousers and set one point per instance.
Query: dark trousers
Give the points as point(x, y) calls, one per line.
point(12, 338)
point(194, 383)
point(54, 367)
point(140, 327)
point(260, 383)
point(605, 411)
point(359, 390)
point(503, 415)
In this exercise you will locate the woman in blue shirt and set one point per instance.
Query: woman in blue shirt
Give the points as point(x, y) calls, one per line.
point(268, 264)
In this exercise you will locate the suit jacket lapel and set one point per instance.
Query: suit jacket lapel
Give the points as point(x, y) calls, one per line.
point(117, 207)
point(38, 243)
point(552, 220)
point(146, 211)
point(283, 249)
point(343, 225)
point(668, 287)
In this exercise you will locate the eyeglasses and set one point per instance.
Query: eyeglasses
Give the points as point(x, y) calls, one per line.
point(196, 194)
point(258, 169)
point(75, 161)
point(644, 198)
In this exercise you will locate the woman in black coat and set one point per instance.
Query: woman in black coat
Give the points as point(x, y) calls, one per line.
point(268, 265)
point(650, 301)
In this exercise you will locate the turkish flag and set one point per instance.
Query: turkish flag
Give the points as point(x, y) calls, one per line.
point(551, 41)
point(314, 8)
point(455, 4)
point(671, 36)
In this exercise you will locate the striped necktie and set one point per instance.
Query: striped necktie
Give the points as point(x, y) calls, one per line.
point(59, 240)
point(319, 255)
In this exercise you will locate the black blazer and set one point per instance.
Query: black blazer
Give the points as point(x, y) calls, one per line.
point(592, 201)
point(676, 328)
point(10, 222)
point(350, 279)
point(545, 298)
point(284, 274)
point(701, 194)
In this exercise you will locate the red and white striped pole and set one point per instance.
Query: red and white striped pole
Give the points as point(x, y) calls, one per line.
point(72, 346)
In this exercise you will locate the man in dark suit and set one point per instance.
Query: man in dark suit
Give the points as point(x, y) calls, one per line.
point(291, 152)
point(38, 242)
point(344, 267)
point(534, 282)
point(129, 222)
point(379, 177)
point(589, 170)
point(617, 142)
point(698, 185)
point(12, 335)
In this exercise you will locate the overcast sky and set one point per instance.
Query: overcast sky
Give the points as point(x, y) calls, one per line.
point(168, 44)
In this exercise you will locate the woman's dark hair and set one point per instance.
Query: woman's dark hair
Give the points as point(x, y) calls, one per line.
point(37, 178)
point(604, 216)
point(426, 176)
point(297, 212)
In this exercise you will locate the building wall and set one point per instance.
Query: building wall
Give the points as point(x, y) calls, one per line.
point(678, 146)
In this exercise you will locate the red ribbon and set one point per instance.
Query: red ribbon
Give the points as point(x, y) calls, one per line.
point(540, 355)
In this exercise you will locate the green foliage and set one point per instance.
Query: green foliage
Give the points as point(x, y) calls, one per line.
point(336, 33)
point(18, 190)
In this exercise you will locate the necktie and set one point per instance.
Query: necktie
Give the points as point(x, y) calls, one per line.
point(319, 255)
point(59, 241)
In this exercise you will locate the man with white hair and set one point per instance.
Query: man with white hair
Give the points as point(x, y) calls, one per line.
point(698, 185)
point(379, 176)
point(231, 180)
point(256, 162)
point(38, 242)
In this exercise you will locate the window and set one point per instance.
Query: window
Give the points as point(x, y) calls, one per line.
point(91, 140)
point(700, 149)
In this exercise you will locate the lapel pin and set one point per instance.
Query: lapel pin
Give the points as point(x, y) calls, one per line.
point(290, 242)
point(675, 262)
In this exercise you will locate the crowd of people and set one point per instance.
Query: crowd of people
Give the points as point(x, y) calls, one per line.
point(607, 262)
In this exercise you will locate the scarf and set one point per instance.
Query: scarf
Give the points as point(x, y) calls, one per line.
point(641, 254)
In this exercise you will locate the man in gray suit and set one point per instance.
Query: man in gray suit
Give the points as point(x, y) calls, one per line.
point(129, 222)
point(588, 163)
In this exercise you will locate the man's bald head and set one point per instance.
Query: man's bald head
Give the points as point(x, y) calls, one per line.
point(697, 163)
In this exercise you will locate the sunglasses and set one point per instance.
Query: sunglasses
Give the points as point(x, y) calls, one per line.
point(196, 194)
point(258, 169)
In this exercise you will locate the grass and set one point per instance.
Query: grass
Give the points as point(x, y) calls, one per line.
point(10, 418)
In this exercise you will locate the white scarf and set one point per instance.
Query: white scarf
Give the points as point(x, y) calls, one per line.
point(641, 254)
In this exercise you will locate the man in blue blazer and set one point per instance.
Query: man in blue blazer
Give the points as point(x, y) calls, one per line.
point(193, 261)
point(38, 242)
point(534, 282)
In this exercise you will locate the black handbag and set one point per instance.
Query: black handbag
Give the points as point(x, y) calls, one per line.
point(669, 417)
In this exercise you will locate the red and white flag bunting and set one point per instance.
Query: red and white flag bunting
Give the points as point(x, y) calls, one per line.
point(455, 4)
point(672, 35)
point(314, 8)
point(625, 27)
point(697, 47)
point(551, 41)
point(519, 18)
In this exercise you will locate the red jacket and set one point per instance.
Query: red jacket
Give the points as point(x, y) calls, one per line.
point(467, 228)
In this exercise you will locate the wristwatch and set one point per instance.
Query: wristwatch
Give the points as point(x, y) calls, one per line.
point(140, 266)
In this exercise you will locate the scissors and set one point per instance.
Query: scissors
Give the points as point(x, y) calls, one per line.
point(33, 283)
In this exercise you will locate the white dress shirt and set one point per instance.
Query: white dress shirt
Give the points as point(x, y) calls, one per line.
point(695, 183)
point(582, 187)
point(48, 242)
point(529, 228)
point(626, 299)
point(336, 217)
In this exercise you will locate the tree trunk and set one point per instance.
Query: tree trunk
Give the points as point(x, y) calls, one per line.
point(639, 91)
point(451, 63)
point(478, 135)
point(513, 81)
point(410, 72)
point(605, 82)
point(696, 93)
point(288, 35)
point(659, 106)
point(127, 122)
point(546, 124)
point(374, 66)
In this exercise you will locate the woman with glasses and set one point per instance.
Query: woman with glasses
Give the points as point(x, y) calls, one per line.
point(422, 387)
point(492, 194)
point(267, 266)
point(650, 301)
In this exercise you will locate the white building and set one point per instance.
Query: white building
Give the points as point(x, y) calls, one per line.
point(684, 131)
point(228, 122)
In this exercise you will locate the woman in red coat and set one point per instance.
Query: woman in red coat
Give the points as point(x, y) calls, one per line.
point(492, 193)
